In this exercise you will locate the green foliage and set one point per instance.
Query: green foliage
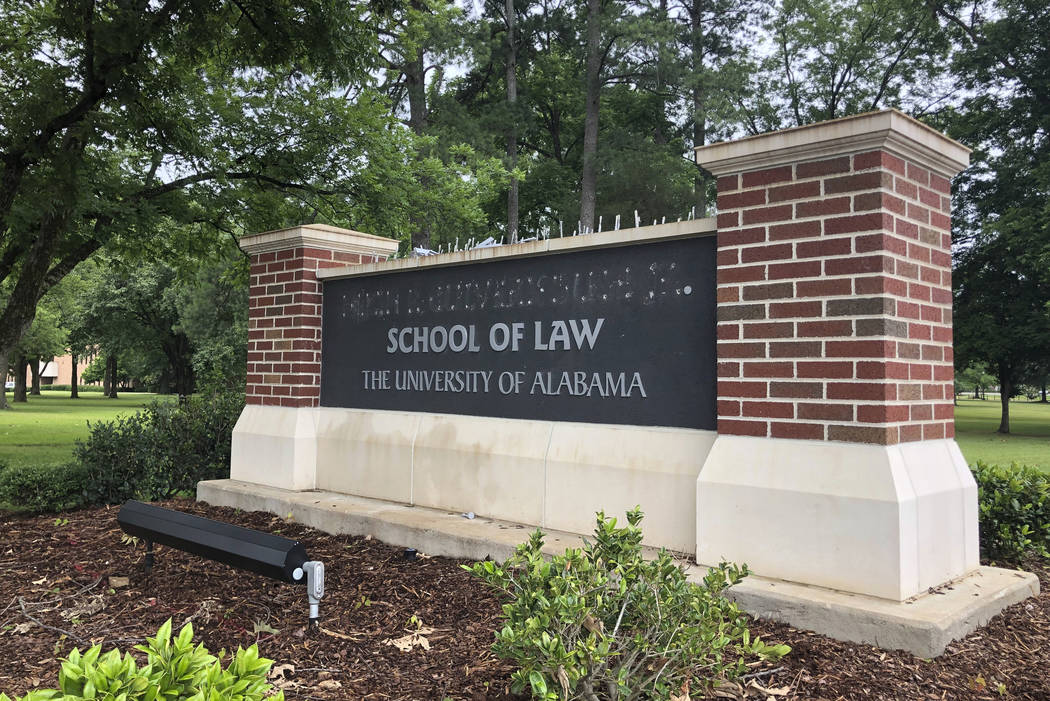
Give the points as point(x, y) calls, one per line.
point(160, 451)
point(1014, 511)
point(66, 388)
point(603, 622)
point(175, 670)
point(43, 487)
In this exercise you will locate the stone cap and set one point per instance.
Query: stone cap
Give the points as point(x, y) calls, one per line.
point(331, 238)
point(889, 130)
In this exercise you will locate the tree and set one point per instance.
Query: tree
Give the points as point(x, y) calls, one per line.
point(1001, 231)
point(119, 115)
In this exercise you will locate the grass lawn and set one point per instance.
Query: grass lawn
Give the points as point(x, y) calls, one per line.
point(1027, 444)
point(42, 431)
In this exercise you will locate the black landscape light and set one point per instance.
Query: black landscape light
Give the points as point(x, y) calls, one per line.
point(243, 548)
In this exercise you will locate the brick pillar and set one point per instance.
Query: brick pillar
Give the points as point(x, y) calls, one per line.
point(834, 283)
point(835, 359)
point(274, 442)
point(284, 315)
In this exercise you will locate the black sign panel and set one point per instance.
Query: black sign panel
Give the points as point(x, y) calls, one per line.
point(621, 335)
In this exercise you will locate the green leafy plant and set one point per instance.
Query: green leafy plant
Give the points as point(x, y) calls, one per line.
point(43, 488)
point(175, 670)
point(1014, 512)
point(161, 451)
point(603, 622)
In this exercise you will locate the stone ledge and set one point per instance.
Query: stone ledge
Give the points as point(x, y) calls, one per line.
point(923, 626)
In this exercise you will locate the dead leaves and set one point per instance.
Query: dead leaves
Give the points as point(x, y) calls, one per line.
point(416, 638)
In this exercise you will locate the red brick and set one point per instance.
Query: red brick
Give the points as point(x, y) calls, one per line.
point(943, 373)
point(830, 166)
point(825, 412)
point(906, 228)
point(351, 258)
point(729, 388)
point(769, 330)
point(728, 369)
point(930, 275)
point(769, 369)
point(880, 284)
point(727, 256)
point(728, 183)
point(799, 431)
point(881, 242)
point(741, 350)
point(727, 332)
point(749, 198)
point(784, 310)
point(917, 252)
point(919, 175)
point(734, 427)
point(796, 390)
point(944, 411)
point(727, 220)
point(794, 230)
point(882, 370)
point(818, 329)
point(921, 412)
point(858, 222)
point(767, 176)
point(949, 429)
point(794, 271)
point(822, 249)
point(906, 269)
point(825, 369)
point(862, 390)
point(940, 221)
point(740, 274)
point(919, 213)
point(760, 215)
point(943, 334)
point(940, 184)
point(823, 288)
point(929, 313)
point(728, 407)
point(878, 159)
point(881, 413)
point(287, 254)
point(796, 191)
point(795, 349)
point(780, 251)
point(768, 410)
point(903, 187)
point(860, 181)
point(777, 290)
point(823, 208)
point(728, 294)
point(858, 265)
point(929, 198)
point(910, 433)
point(932, 431)
point(859, 349)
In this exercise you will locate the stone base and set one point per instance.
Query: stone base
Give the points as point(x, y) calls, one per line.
point(923, 625)
point(882, 521)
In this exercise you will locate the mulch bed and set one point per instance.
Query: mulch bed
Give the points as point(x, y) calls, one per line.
point(57, 570)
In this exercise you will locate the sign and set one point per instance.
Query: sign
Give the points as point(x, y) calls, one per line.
point(622, 335)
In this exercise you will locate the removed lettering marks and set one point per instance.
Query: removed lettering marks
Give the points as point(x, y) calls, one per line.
point(567, 335)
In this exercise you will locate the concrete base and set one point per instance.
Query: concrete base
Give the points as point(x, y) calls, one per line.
point(881, 521)
point(922, 625)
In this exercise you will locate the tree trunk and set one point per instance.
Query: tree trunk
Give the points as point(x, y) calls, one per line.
point(111, 375)
point(416, 88)
point(699, 104)
point(21, 365)
point(589, 179)
point(1043, 400)
point(73, 394)
point(34, 370)
point(1005, 388)
point(512, 133)
point(3, 381)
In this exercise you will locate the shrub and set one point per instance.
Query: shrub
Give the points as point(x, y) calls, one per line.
point(603, 622)
point(43, 488)
point(175, 670)
point(1014, 512)
point(161, 451)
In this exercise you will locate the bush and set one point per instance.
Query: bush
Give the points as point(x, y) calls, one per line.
point(175, 670)
point(603, 622)
point(43, 488)
point(1014, 512)
point(161, 451)
point(66, 388)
